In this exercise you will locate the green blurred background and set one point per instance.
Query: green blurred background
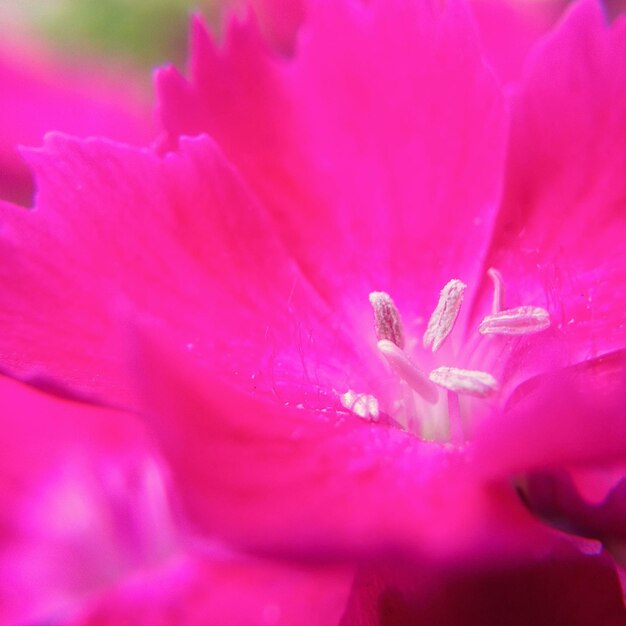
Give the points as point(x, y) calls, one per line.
point(145, 33)
point(142, 32)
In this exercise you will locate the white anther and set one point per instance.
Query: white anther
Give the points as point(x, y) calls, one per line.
point(498, 290)
point(361, 404)
point(442, 320)
point(407, 371)
point(387, 321)
point(522, 320)
point(468, 382)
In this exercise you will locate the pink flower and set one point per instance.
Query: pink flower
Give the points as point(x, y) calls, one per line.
point(39, 93)
point(392, 196)
point(279, 283)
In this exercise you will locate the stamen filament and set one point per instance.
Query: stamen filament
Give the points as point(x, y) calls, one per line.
point(498, 290)
point(454, 417)
point(444, 316)
point(387, 322)
point(407, 371)
point(469, 382)
point(522, 320)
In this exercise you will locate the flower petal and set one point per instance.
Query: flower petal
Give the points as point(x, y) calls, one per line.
point(569, 589)
point(180, 238)
point(83, 503)
point(573, 415)
point(366, 197)
point(561, 235)
point(289, 479)
point(553, 496)
point(509, 29)
point(38, 94)
point(233, 591)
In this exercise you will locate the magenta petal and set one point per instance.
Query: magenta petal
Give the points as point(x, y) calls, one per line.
point(178, 238)
point(201, 591)
point(560, 589)
point(509, 29)
point(96, 238)
point(39, 94)
point(365, 196)
point(83, 503)
point(561, 235)
point(574, 415)
point(553, 497)
point(280, 21)
point(322, 483)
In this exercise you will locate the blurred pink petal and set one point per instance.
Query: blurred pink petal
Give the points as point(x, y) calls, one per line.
point(38, 93)
point(509, 29)
point(210, 590)
point(88, 535)
point(554, 497)
point(279, 21)
point(84, 503)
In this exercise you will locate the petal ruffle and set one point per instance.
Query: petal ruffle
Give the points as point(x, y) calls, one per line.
point(366, 197)
point(177, 238)
point(38, 94)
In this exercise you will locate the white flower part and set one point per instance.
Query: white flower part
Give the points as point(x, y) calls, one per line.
point(361, 404)
point(498, 290)
point(522, 320)
point(387, 320)
point(468, 382)
point(407, 371)
point(442, 320)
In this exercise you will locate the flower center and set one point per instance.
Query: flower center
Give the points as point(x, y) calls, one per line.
point(428, 404)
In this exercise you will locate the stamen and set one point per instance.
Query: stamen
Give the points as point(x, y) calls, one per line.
point(455, 421)
point(522, 320)
point(442, 320)
point(387, 322)
point(498, 290)
point(361, 404)
point(469, 382)
point(407, 371)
